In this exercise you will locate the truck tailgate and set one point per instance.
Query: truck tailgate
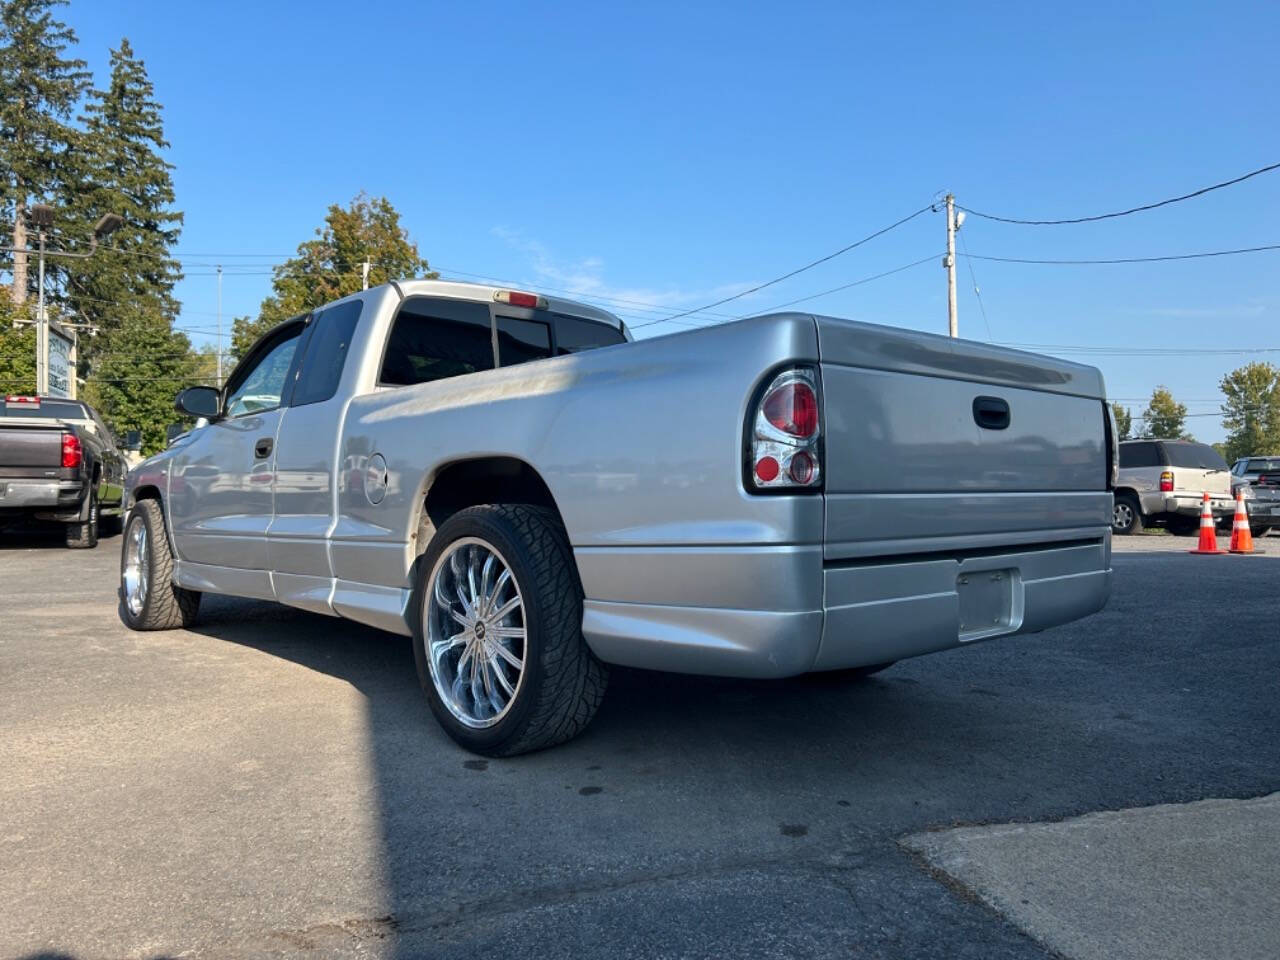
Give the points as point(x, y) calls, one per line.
point(28, 446)
point(910, 468)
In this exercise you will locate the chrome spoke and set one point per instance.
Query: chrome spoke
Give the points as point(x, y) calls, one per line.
point(507, 655)
point(508, 607)
point(475, 634)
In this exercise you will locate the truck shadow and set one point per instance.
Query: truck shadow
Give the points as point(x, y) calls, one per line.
point(677, 768)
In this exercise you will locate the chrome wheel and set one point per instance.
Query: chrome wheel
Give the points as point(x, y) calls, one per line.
point(137, 566)
point(474, 632)
point(1122, 518)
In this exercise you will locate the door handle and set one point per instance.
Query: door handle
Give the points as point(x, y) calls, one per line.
point(991, 413)
point(262, 449)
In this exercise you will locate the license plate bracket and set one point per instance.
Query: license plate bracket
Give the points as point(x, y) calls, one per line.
point(986, 602)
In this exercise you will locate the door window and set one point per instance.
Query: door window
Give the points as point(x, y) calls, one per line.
point(434, 339)
point(326, 353)
point(260, 383)
point(520, 341)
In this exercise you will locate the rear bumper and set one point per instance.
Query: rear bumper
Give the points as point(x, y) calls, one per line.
point(869, 611)
point(1186, 505)
point(40, 495)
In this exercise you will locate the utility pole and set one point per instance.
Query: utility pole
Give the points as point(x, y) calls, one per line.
point(42, 324)
point(219, 326)
point(364, 275)
point(953, 324)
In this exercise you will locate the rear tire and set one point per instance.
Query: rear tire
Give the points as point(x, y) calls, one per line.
point(149, 600)
point(1126, 516)
point(544, 685)
point(84, 535)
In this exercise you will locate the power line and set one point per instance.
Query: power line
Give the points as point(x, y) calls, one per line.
point(1125, 213)
point(807, 266)
point(976, 292)
point(812, 296)
point(1180, 256)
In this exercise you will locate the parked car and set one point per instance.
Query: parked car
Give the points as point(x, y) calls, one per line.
point(1162, 483)
point(58, 461)
point(1258, 480)
point(510, 480)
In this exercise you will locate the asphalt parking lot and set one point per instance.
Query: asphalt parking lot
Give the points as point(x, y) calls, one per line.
point(271, 782)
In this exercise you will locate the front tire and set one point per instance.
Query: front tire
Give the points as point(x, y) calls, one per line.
point(149, 600)
point(498, 632)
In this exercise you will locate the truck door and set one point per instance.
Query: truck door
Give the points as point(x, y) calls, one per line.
point(220, 491)
point(306, 447)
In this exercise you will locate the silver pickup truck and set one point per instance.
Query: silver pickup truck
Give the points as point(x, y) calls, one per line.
point(530, 495)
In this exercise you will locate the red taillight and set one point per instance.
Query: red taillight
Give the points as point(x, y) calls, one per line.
point(14, 400)
point(793, 409)
point(518, 299)
point(784, 441)
point(1166, 481)
point(72, 452)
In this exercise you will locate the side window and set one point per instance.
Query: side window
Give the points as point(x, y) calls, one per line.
point(434, 339)
point(574, 334)
point(520, 341)
point(1138, 455)
point(326, 353)
point(260, 385)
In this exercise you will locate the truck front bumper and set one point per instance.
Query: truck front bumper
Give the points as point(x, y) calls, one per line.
point(869, 611)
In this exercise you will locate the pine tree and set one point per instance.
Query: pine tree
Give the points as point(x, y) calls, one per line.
point(121, 171)
point(39, 87)
point(330, 267)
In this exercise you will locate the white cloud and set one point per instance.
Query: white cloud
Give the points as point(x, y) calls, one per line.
point(585, 278)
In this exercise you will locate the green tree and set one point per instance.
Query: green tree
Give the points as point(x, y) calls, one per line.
point(1124, 421)
point(17, 351)
point(121, 170)
point(329, 267)
point(1165, 418)
point(135, 381)
point(39, 87)
point(1251, 413)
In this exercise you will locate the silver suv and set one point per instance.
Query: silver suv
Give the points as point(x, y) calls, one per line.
point(1162, 483)
point(1258, 479)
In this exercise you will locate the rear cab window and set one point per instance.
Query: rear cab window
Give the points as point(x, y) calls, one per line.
point(435, 338)
point(45, 410)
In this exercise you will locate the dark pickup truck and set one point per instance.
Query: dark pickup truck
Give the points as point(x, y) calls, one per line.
point(59, 462)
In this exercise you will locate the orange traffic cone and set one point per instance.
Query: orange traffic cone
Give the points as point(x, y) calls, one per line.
point(1208, 535)
point(1241, 535)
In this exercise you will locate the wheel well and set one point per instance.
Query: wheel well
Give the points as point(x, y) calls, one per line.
point(146, 493)
point(468, 483)
point(1129, 491)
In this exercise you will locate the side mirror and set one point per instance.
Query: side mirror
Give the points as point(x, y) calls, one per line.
point(199, 402)
point(133, 441)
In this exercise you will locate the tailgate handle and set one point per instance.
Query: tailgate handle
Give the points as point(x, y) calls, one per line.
point(991, 413)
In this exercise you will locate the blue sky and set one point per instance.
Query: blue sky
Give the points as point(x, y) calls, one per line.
point(675, 153)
